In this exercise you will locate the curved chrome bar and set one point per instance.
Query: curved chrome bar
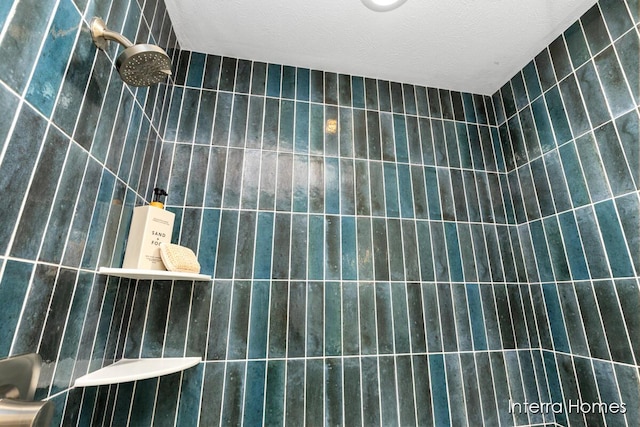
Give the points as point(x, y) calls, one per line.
point(101, 34)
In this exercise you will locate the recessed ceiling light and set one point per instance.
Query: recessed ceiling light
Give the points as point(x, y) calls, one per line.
point(383, 5)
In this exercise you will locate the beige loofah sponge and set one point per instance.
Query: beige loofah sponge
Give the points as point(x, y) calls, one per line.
point(178, 258)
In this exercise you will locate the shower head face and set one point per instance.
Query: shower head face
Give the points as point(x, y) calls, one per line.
point(143, 65)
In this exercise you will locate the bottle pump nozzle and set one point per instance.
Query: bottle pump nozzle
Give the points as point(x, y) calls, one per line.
point(157, 194)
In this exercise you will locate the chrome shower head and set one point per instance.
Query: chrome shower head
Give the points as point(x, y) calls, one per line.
point(138, 65)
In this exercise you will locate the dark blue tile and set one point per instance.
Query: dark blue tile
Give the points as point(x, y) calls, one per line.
point(239, 321)
point(333, 320)
point(542, 187)
point(220, 306)
point(345, 126)
point(32, 222)
point(628, 131)
point(555, 390)
point(617, 17)
point(377, 190)
point(629, 390)
point(196, 69)
point(629, 295)
point(228, 75)
point(558, 116)
point(302, 84)
point(572, 319)
point(560, 58)
point(613, 158)
point(286, 126)
point(273, 80)
point(413, 137)
point(614, 240)
point(598, 346)
point(368, 336)
point(578, 50)
point(258, 77)
point(297, 320)
point(613, 322)
point(317, 86)
point(370, 391)
point(554, 311)
point(332, 248)
point(592, 92)
point(519, 91)
point(13, 289)
point(16, 168)
point(545, 70)
point(281, 249)
point(310, 122)
point(596, 257)
point(629, 211)
point(592, 168)
point(556, 249)
point(365, 249)
point(613, 82)
point(259, 320)
point(574, 176)
point(288, 82)
point(344, 90)
point(190, 395)
point(481, 109)
point(439, 390)
point(573, 102)
point(629, 62)
point(559, 189)
point(351, 321)
point(25, 32)
point(426, 141)
point(352, 388)
point(595, 30)
point(357, 90)
point(316, 247)
point(531, 81)
point(233, 393)
point(573, 247)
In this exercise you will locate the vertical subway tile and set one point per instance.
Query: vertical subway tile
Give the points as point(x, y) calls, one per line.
point(572, 320)
point(437, 377)
point(255, 390)
point(598, 346)
point(367, 321)
point(389, 404)
point(556, 321)
point(596, 257)
point(352, 387)
point(258, 78)
point(574, 175)
point(275, 392)
point(613, 321)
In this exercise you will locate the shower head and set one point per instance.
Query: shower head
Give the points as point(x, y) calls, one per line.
point(138, 65)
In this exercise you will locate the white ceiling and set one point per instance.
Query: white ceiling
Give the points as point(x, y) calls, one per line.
point(464, 45)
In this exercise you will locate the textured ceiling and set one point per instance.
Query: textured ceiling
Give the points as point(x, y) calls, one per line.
point(464, 45)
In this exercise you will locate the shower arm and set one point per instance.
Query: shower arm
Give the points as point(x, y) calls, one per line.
point(101, 34)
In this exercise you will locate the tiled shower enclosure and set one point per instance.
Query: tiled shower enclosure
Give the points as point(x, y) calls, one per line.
point(382, 253)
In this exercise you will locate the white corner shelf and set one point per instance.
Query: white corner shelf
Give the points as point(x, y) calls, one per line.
point(126, 370)
point(131, 273)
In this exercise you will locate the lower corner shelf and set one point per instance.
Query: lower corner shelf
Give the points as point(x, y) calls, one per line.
point(131, 273)
point(126, 370)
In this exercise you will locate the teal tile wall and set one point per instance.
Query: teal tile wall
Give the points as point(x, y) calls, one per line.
point(575, 184)
point(366, 261)
point(76, 151)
